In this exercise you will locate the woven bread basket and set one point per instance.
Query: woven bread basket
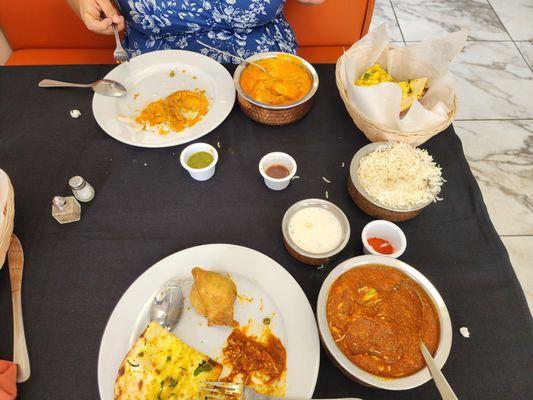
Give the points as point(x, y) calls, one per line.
point(376, 132)
point(6, 221)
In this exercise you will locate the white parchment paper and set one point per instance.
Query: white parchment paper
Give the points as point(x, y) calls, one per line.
point(381, 103)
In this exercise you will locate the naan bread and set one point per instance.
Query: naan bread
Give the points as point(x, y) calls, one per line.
point(213, 296)
point(160, 366)
point(412, 89)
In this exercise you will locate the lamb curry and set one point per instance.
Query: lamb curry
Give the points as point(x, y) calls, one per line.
point(377, 316)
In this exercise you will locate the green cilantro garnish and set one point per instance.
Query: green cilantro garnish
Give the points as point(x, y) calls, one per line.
point(204, 366)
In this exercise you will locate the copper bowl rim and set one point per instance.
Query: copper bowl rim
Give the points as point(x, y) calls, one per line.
point(273, 54)
point(354, 165)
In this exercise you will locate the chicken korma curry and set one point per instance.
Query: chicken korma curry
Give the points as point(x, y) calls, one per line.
point(285, 81)
point(175, 112)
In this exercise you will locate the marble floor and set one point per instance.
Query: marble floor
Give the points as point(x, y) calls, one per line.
point(494, 74)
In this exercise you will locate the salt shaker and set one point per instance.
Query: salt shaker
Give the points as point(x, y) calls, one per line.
point(66, 209)
point(81, 189)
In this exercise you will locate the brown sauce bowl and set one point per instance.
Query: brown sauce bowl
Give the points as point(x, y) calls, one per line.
point(269, 114)
point(352, 370)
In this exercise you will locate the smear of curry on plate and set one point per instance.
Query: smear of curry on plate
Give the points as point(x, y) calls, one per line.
point(285, 81)
point(177, 111)
point(259, 362)
point(377, 316)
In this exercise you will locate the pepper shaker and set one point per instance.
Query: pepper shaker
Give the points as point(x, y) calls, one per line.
point(81, 189)
point(66, 209)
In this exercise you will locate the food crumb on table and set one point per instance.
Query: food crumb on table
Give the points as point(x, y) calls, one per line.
point(326, 179)
point(295, 177)
point(218, 145)
point(327, 195)
point(75, 113)
point(464, 331)
point(145, 164)
point(320, 267)
point(342, 165)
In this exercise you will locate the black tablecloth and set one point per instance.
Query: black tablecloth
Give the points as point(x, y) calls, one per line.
point(146, 207)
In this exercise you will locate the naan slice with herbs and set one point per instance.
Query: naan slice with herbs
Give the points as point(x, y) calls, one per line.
point(412, 89)
point(160, 366)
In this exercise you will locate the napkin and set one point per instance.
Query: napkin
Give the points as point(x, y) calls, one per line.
point(381, 103)
point(8, 380)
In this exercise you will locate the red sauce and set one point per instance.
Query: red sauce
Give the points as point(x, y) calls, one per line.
point(248, 357)
point(377, 316)
point(381, 245)
point(277, 171)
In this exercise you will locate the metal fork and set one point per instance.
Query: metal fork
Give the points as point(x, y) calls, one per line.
point(237, 391)
point(120, 55)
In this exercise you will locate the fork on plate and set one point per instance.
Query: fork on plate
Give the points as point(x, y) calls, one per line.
point(238, 391)
point(120, 55)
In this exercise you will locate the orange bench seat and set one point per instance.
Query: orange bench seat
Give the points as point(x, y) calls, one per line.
point(44, 32)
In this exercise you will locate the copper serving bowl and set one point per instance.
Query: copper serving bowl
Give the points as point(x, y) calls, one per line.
point(367, 203)
point(274, 114)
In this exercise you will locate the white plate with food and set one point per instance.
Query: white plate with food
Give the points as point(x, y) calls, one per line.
point(268, 306)
point(202, 92)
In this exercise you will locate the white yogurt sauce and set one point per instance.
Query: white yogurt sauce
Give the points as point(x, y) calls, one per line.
point(315, 230)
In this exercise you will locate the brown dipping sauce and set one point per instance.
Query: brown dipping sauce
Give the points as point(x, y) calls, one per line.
point(377, 315)
point(277, 171)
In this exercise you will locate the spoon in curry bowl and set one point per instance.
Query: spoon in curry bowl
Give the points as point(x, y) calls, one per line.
point(242, 60)
point(442, 384)
point(105, 87)
point(444, 388)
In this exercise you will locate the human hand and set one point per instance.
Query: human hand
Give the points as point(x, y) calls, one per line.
point(98, 15)
point(312, 2)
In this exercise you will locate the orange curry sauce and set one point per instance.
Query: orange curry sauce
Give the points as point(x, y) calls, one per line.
point(177, 111)
point(377, 315)
point(248, 356)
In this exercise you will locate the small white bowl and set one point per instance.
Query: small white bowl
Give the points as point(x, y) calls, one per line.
point(200, 174)
point(281, 159)
point(384, 230)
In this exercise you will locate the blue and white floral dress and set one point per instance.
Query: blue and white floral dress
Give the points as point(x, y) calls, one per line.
point(241, 27)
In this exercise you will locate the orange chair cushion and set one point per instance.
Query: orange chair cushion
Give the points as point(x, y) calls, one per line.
point(48, 32)
point(321, 54)
point(61, 56)
point(334, 22)
point(46, 24)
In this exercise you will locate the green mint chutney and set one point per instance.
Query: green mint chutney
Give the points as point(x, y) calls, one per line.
point(200, 160)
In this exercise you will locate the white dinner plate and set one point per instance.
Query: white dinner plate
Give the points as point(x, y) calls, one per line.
point(266, 290)
point(147, 78)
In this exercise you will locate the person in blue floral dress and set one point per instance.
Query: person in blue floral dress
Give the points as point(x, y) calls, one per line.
point(240, 27)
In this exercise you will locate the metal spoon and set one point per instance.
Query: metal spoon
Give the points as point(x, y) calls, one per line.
point(167, 305)
point(105, 87)
point(242, 60)
point(442, 384)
